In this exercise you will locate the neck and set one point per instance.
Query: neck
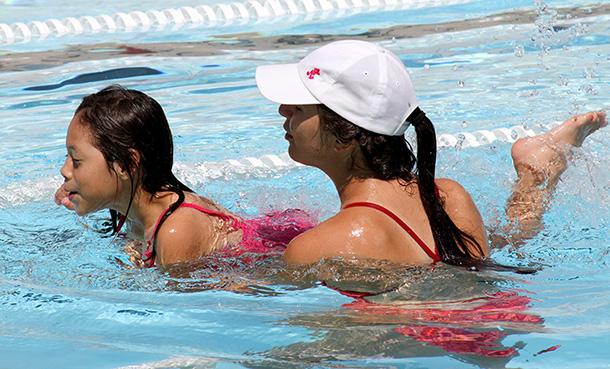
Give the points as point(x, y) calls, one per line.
point(351, 184)
point(146, 208)
point(348, 172)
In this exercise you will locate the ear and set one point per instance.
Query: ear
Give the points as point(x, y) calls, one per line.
point(118, 169)
point(123, 173)
point(135, 157)
point(342, 146)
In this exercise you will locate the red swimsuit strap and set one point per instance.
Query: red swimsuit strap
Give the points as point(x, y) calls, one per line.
point(200, 208)
point(434, 256)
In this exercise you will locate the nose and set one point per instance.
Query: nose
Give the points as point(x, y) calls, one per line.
point(66, 169)
point(285, 110)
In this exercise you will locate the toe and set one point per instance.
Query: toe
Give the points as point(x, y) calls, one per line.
point(603, 118)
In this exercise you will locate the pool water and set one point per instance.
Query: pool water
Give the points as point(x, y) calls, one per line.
point(68, 301)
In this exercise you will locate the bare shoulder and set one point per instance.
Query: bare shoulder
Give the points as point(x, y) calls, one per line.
point(462, 210)
point(184, 236)
point(449, 187)
point(325, 240)
point(454, 196)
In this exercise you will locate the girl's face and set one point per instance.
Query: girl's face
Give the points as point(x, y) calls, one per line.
point(304, 134)
point(91, 183)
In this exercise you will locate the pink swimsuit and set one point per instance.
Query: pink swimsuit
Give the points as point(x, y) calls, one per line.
point(265, 234)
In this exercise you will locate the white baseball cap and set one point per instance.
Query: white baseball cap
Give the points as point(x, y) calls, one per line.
point(362, 82)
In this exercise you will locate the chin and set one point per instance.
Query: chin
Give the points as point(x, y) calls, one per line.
point(302, 158)
point(290, 153)
point(80, 211)
point(296, 157)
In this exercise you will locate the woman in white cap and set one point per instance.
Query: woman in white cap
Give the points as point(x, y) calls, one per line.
point(347, 105)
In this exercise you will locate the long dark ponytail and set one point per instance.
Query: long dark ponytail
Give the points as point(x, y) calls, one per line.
point(453, 244)
point(391, 157)
point(123, 121)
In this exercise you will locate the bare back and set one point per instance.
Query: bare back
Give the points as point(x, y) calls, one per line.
point(190, 234)
point(365, 232)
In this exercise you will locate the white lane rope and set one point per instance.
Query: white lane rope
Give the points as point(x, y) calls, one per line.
point(218, 15)
point(265, 166)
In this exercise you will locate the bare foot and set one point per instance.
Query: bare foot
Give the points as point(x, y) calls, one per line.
point(574, 130)
point(545, 156)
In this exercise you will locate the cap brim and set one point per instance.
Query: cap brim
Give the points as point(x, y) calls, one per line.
point(280, 83)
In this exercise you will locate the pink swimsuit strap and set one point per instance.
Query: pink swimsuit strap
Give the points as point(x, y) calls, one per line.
point(149, 255)
point(434, 256)
point(122, 220)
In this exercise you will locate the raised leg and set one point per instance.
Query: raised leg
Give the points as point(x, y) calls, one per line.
point(539, 162)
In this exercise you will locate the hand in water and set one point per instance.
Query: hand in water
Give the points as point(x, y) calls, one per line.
point(62, 198)
point(134, 250)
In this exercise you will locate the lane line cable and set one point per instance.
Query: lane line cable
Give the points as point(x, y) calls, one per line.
point(217, 15)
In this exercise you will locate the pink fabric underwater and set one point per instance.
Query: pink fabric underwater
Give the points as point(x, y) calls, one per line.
point(273, 231)
point(265, 235)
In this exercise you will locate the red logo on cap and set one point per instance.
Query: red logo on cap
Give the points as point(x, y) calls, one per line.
point(312, 73)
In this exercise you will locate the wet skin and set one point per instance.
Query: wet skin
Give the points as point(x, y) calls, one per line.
point(304, 134)
point(89, 181)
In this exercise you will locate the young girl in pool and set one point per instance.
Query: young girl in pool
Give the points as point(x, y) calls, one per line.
point(347, 106)
point(120, 157)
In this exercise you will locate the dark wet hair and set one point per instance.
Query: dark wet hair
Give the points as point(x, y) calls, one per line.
point(122, 121)
point(391, 157)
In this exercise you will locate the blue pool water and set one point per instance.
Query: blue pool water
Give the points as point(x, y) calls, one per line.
point(66, 302)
